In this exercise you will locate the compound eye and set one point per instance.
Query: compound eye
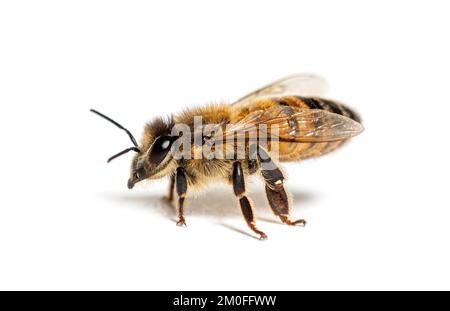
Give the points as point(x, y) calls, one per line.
point(160, 149)
point(140, 173)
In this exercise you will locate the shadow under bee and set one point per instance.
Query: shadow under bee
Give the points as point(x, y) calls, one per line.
point(219, 204)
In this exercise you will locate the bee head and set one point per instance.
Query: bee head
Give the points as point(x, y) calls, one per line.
point(153, 155)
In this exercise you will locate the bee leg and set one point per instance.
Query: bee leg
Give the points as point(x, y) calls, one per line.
point(279, 202)
point(244, 202)
point(275, 192)
point(181, 185)
point(169, 197)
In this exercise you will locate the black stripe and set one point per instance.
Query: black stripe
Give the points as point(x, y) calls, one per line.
point(280, 102)
point(352, 115)
point(317, 102)
point(333, 107)
point(310, 102)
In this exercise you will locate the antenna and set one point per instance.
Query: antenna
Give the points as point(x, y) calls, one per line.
point(133, 140)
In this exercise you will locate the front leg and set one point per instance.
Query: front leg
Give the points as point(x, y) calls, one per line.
point(181, 185)
point(169, 197)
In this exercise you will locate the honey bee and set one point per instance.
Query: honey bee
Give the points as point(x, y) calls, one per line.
point(307, 125)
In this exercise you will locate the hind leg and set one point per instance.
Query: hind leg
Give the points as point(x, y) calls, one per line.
point(275, 192)
point(279, 203)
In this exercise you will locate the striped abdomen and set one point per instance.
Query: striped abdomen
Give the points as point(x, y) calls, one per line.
point(317, 103)
point(292, 151)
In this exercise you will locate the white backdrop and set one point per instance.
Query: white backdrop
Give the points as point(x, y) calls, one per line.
point(378, 209)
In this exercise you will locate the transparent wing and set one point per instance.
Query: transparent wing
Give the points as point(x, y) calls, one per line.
point(299, 84)
point(294, 125)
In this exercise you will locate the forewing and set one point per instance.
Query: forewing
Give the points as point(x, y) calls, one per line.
point(290, 124)
point(315, 125)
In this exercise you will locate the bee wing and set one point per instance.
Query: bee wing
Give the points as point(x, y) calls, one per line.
point(290, 124)
point(299, 84)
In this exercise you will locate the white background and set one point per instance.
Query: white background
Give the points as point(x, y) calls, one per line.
point(378, 209)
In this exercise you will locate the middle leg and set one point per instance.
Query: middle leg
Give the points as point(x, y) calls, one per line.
point(244, 202)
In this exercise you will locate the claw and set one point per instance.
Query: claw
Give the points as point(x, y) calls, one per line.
point(262, 236)
point(181, 223)
point(300, 222)
point(285, 219)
